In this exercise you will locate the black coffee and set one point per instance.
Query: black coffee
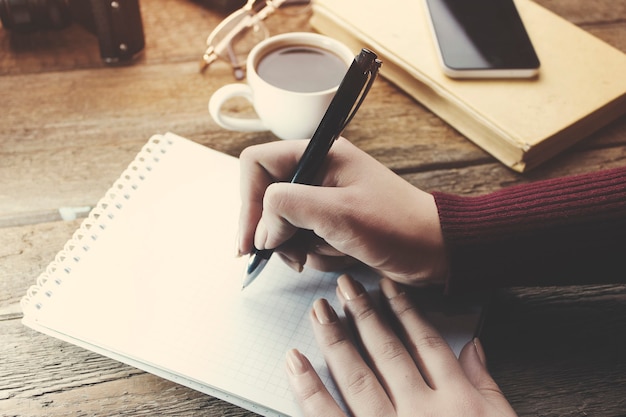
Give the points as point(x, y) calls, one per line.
point(303, 69)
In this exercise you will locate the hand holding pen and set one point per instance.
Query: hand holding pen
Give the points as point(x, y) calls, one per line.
point(359, 211)
point(349, 96)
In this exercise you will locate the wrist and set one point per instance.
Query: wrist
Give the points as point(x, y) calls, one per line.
point(429, 260)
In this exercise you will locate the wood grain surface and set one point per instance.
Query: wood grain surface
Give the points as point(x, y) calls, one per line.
point(70, 125)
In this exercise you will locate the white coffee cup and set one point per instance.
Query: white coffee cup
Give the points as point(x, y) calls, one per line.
point(300, 74)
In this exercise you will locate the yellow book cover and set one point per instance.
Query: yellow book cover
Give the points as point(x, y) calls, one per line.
point(523, 122)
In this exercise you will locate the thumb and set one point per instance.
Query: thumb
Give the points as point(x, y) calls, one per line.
point(473, 362)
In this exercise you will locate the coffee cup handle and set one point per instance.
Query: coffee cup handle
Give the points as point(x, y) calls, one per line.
point(221, 96)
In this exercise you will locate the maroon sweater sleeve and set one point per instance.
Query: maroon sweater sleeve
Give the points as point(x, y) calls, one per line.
point(562, 231)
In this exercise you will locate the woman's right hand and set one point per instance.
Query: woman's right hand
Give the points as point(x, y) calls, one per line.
point(360, 211)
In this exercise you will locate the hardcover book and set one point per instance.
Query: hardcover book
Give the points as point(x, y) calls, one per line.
point(522, 122)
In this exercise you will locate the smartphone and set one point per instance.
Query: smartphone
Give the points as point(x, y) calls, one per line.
point(482, 39)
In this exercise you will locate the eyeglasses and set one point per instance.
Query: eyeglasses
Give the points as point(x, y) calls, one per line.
point(240, 31)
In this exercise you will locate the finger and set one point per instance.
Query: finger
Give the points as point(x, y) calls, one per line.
point(388, 356)
point(307, 248)
point(297, 259)
point(472, 360)
point(294, 251)
point(318, 246)
point(278, 221)
point(276, 160)
point(288, 207)
point(432, 354)
point(311, 394)
point(358, 385)
point(330, 263)
point(260, 166)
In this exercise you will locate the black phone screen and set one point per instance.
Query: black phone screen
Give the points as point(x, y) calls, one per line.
point(481, 35)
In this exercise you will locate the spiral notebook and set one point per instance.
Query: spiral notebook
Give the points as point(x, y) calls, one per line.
point(150, 279)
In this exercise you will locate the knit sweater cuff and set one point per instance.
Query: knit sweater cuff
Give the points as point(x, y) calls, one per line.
point(563, 231)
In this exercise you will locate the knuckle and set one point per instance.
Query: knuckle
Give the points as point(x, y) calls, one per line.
point(391, 350)
point(430, 342)
point(310, 393)
point(280, 198)
point(274, 209)
point(359, 381)
point(401, 306)
point(273, 196)
point(246, 154)
point(331, 337)
point(334, 340)
point(361, 308)
point(251, 154)
point(425, 337)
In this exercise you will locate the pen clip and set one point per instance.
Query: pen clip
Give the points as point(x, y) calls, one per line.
point(373, 72)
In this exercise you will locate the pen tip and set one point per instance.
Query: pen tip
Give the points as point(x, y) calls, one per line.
point(256, 264)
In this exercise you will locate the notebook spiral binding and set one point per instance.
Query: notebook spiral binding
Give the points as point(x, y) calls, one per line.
point(95, 224)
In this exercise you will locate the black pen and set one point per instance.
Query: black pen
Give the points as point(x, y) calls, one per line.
point(349, 96)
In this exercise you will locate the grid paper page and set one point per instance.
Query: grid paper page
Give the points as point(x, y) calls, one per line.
point(155, 279)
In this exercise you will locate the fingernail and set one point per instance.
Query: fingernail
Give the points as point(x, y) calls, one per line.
point(350, 289)
point(390, 288)
point(295, 265)
point(480, 351)
point(324, 312)
point(238, 253)
point(296, 362)
point(260, 235)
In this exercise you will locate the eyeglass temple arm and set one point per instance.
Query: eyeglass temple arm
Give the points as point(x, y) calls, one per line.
point(267, 7)
point(251, 19)
point(289, 2)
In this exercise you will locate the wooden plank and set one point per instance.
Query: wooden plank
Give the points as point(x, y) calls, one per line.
point(587, 12)
point(45, 376)
point(25, 252)
point(611, 32)
point(559, 351)
point(480, 179)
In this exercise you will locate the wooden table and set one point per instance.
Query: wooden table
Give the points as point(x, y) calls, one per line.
point(70, 125)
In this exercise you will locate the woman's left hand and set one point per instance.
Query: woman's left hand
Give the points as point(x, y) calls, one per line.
point(415, 374)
